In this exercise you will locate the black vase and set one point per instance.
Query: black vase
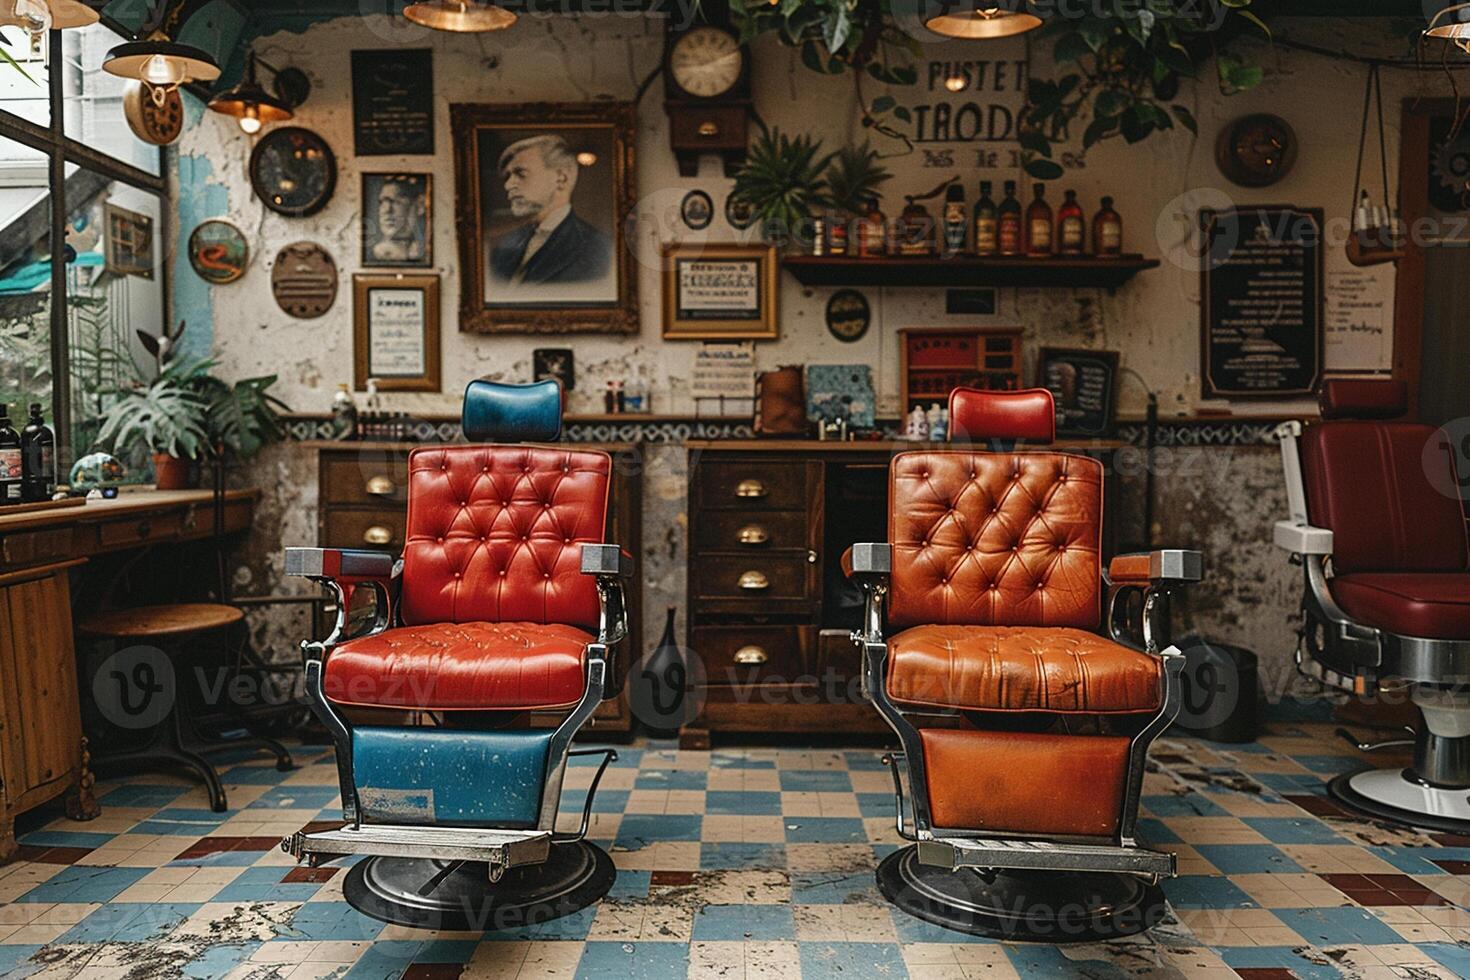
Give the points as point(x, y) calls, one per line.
point(663, 679)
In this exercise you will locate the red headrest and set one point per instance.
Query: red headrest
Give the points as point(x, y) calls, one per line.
point(1354, 398)
point(975, 414)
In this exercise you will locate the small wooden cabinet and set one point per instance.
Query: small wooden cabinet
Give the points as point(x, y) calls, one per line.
point(363, 503)
point(935, 360)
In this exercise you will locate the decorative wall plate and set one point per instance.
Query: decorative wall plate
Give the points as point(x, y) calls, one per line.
point(218, 252)
point(848, 315)
point(697, 210)
point(304, 280)
point(293, 171)
point(1256, 150)
point(159, 125)
point(740, 214)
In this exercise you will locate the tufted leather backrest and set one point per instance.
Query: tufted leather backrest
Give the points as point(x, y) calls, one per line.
point(1388, 493)
point(995, 539)
point(495, 534)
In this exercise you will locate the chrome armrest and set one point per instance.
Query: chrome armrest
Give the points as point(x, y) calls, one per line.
point(611, 564)
point(1156, 575)
point(344, 571)
point(869, 565)
point(1302, 539)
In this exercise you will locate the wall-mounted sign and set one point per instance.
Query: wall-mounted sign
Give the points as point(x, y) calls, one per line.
point(848, 315)
point(304, 280)
point(1081, 384)
point(1261, 302)
point(218, 252)
point(697, 210)
point(719, 292)
point(393, 102)
point(395, 332)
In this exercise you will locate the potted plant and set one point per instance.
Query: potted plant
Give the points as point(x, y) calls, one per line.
point(782, 180)
point(853, 179)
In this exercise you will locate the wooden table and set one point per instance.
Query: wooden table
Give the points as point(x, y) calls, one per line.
point(42, 751)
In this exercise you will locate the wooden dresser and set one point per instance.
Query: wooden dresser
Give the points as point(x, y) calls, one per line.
point(769, 611)
point(363, 503)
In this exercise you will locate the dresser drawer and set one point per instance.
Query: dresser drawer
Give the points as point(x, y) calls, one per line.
point(371, 478)
point(758, 578)
point(376, 530)
point(753, 485)
point(748, 654)
point(141, 530)
point(755, 532)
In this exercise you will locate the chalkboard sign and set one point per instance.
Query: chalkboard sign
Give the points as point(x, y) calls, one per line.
point(393, 102)
point(1261, 302)
point(1081, 383)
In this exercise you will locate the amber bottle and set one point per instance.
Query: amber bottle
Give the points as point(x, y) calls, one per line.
point(987, 241)
point(872, 232)
point(1008, 222)
point(1107, 230)
point(1038, 224)
point(1071, 227)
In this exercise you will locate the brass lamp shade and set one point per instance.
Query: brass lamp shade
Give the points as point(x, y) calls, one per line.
point(459, 16)
point(249, 100)
point(982, 20)
point(162, 64)
point(1452, 24)
point(38, 14)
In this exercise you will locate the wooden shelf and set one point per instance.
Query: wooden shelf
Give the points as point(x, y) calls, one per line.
point(1060, 272)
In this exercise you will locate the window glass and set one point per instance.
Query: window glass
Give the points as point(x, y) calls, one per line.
point(24, 84)
point(25, 281)
point(93, 100)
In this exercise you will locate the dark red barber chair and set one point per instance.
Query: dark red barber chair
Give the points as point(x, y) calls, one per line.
point(506, 600)
point(1378, 526)
point(1023, 724)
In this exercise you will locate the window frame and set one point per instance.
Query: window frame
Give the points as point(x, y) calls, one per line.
point(61, 149)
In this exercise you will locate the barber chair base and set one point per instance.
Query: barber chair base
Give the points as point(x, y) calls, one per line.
point(459, 896)
point(1029, 906)
point(1393, 795)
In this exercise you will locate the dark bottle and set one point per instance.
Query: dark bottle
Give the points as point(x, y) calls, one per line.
point(955, 223)
point(38, 458)
point(1107, 230)
point(662, 685)
point(1008, 222)
point(987, 241)
point(12, 465)
point(1038, 224)
point(1071, 227)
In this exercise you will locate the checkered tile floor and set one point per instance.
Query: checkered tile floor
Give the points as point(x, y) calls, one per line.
point(740, 863)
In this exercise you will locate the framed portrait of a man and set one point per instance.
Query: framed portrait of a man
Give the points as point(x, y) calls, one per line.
point(542, 199)
point(395, 220)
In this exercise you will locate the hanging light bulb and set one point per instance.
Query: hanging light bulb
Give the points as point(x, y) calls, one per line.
point(161, 66)
point(956, 83)
point(983, 19)
point(1452, 23)
point(251, 104)
point(459, 16)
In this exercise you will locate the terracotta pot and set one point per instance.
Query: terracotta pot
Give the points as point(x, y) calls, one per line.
point(170, 472)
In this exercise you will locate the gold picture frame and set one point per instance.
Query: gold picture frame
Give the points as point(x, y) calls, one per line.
point(720, 292)
point(395, 331)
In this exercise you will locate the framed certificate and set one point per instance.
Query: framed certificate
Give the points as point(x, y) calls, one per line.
point(719, 292)
point(395, 332)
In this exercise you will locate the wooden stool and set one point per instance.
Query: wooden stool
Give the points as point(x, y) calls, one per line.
point(172, 624)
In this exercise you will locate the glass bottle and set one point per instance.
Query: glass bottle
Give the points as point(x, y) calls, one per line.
point(1008, 221)
point(1071, 227)
point(872, 232)
point(344, 414)
point(955, 225)
point(1038, 224)
point(1107, 230)
point(986, 240)
point(38, 458)
point(12, 465)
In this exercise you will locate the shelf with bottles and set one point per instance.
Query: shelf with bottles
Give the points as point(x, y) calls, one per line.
point(1057, 271)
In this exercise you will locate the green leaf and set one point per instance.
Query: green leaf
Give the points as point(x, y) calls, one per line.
point(1246, 77)
point(1070, 47)
point(1100, 128)
point(1260, 24)
point(836, 29)
point(882, 103)
point(1111, 102)
point(1043, 169)
point(903, 113)
point(1186, 118)
point(1033, 142)
point(1134, 125)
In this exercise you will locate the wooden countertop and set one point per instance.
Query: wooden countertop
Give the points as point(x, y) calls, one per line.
point(128, 503)
point(404, 447)
point(886, 446)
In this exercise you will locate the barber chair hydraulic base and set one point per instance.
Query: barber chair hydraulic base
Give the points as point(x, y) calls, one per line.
point(1399, 796)
point(459, 895)
point(1040, 906)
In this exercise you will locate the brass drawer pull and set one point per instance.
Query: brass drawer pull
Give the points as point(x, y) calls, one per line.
point(377, 534)
point(753, 534)
point(750, 489)
point(754, 581)
point(750, 655)
point(380, 486)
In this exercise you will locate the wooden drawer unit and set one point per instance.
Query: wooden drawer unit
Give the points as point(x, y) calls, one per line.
point(370, 479)
point(141, 530)
point(375, 530)
point(752, 484)
point(755, 532)
point(757, 578)
point(735, 655)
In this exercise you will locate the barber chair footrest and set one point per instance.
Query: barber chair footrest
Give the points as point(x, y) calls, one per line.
point(500, 849)
point(976, 852)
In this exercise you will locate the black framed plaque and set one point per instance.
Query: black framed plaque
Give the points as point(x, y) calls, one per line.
point(1261, 331)
point(393, 102)
point(1081, 383)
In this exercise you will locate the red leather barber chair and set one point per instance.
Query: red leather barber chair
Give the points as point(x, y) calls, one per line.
point(1023, 723)
point(1378, 526)
point(506, 600)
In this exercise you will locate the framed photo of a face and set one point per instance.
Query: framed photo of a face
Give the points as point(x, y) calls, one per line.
point(396, 229)
point(542, 198)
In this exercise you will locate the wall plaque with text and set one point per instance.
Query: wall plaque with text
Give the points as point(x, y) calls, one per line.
point(393, 102)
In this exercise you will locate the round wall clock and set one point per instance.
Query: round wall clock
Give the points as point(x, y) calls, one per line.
point(156, 124)
point(304, 280)
point(218, 252)
point(293, 171)
point(1256, 150)
point(706, 62)
point(848, 315)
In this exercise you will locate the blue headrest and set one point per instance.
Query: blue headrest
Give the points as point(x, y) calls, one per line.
point(498, 412)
